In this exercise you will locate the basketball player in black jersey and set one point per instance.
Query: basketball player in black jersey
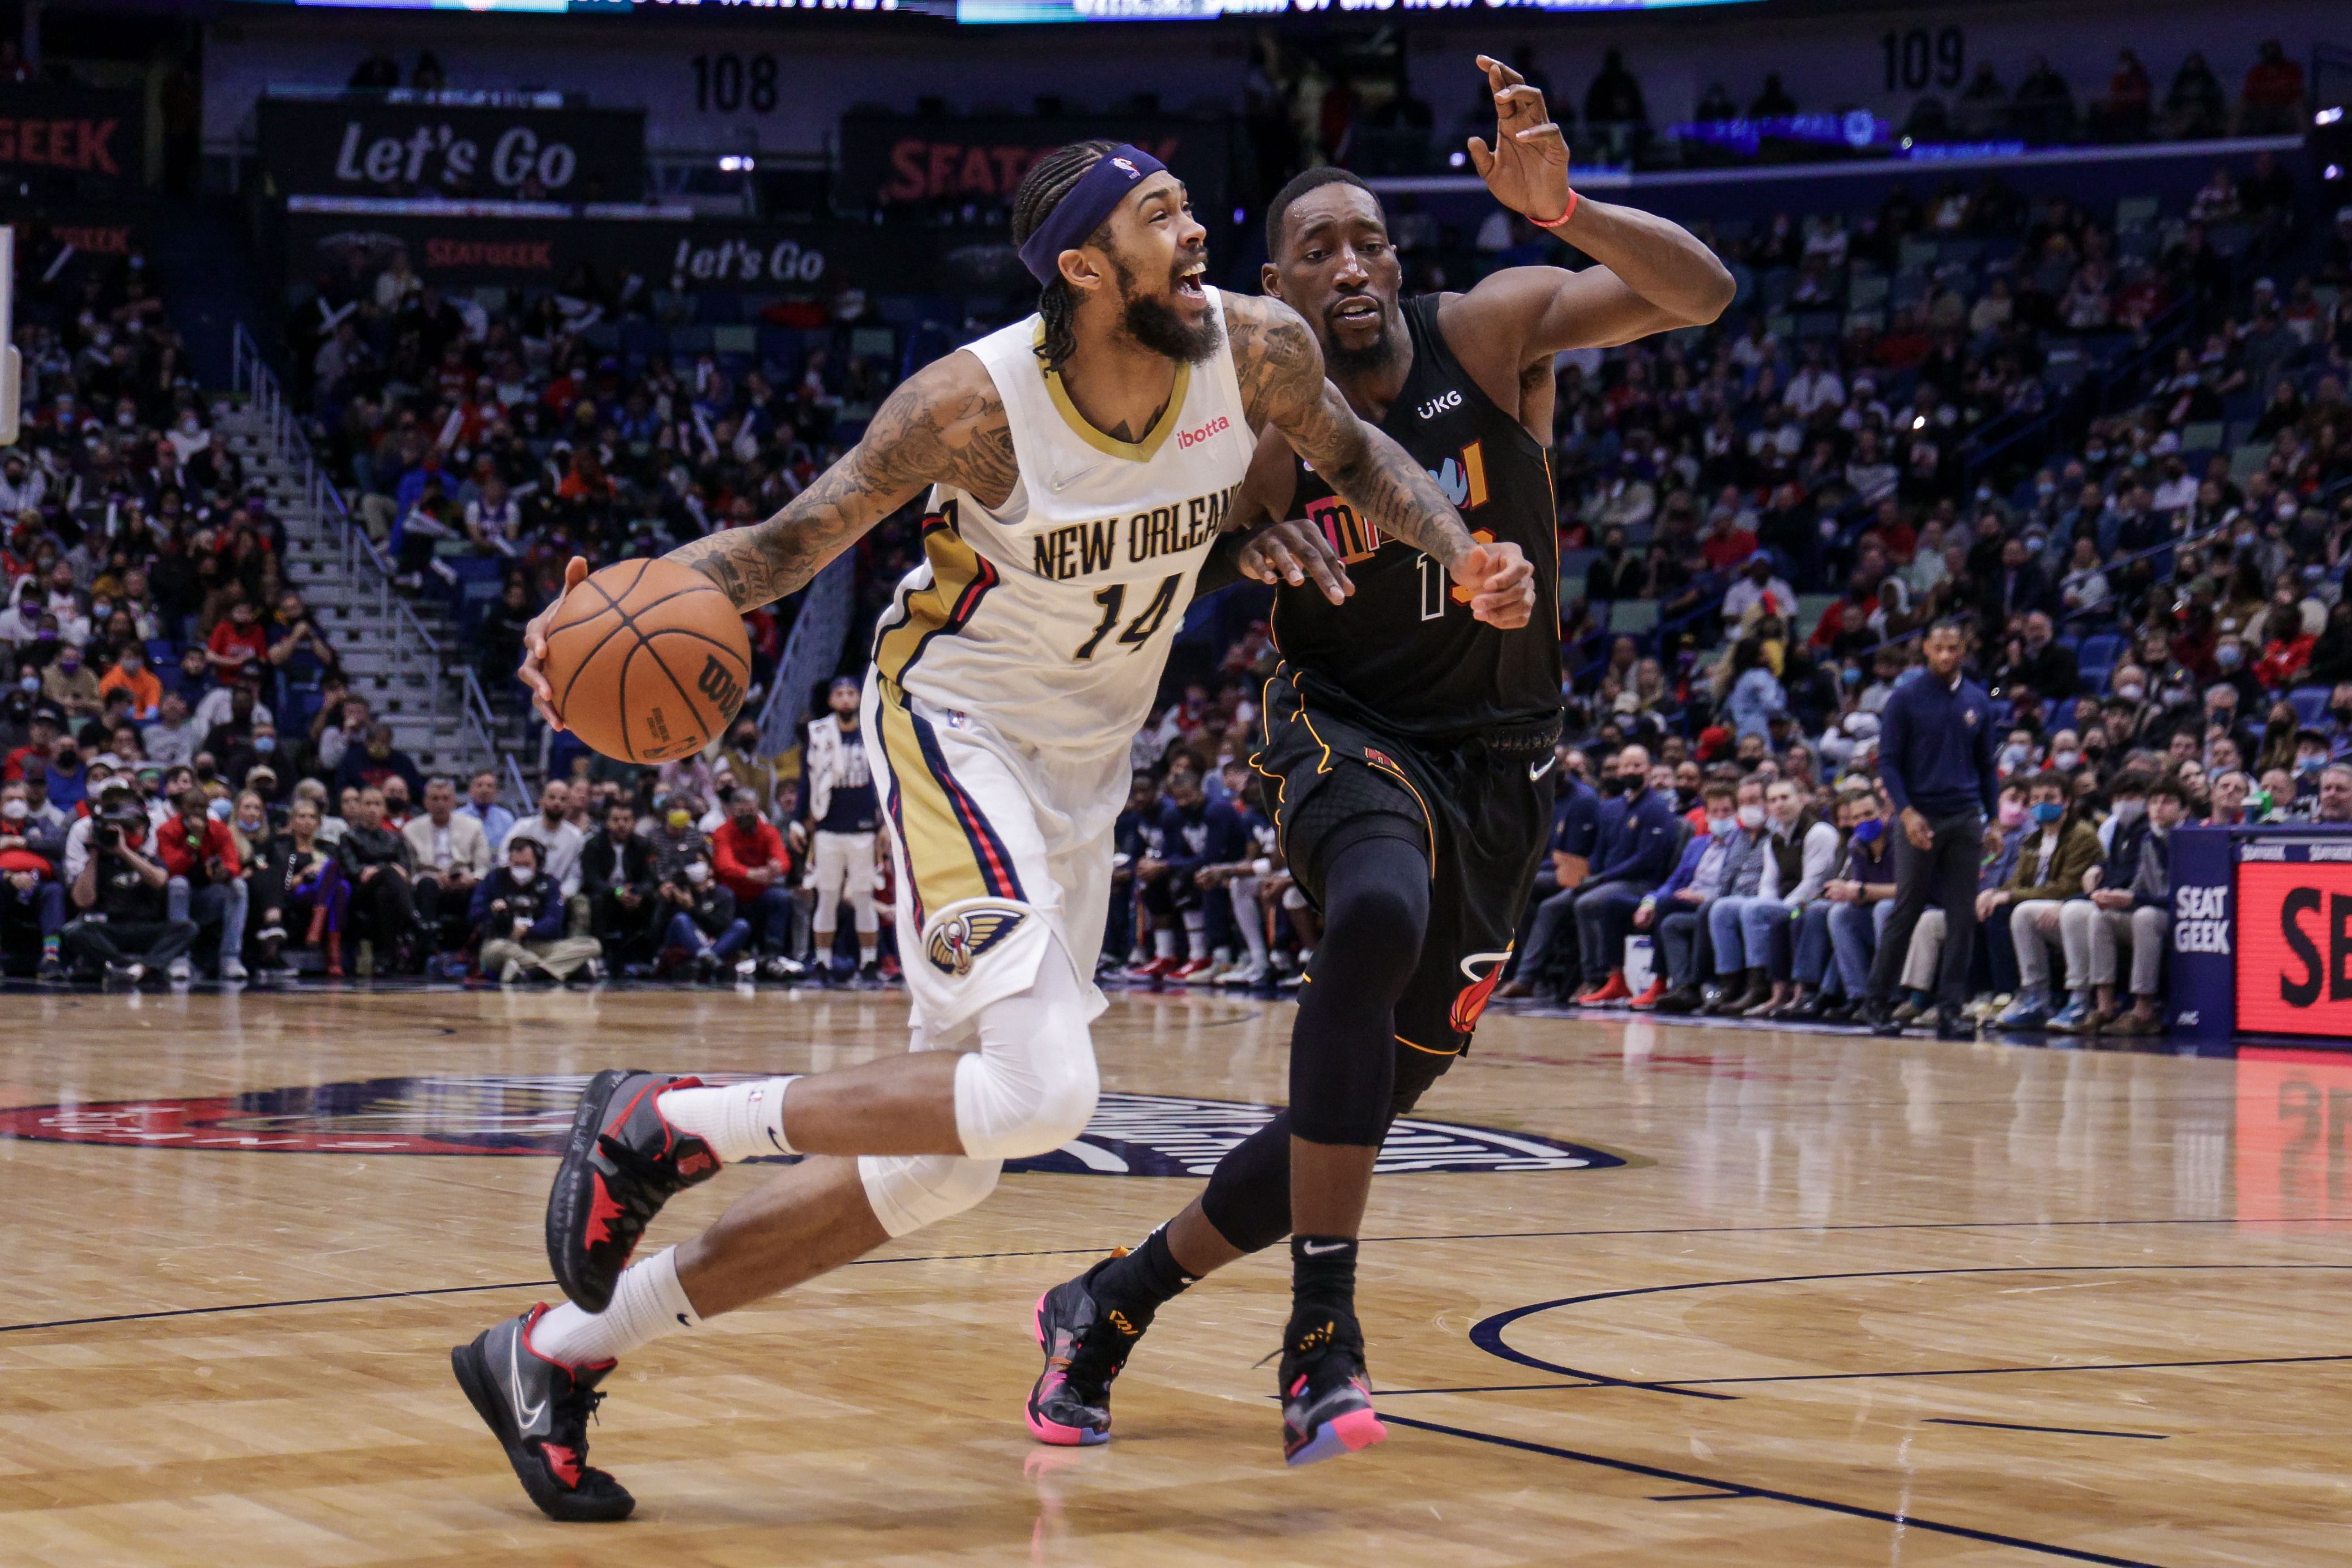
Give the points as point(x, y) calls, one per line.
point(1406, 749)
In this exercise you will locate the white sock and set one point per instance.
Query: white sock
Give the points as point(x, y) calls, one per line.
point(868, 954)
point(1196, 925)
point(738, 1120)
point(1163, 942)
point(647, 1303)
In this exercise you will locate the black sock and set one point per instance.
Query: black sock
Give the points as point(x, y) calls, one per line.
point(1143, 1279)
point(1322, 1290)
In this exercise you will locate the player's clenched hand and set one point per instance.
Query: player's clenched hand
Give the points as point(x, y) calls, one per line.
point(1502, 584)
point(534, 644)
point(1292, 551)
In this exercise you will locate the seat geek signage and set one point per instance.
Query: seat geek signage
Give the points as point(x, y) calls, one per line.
point(888, 159)
point(2294, 939)
point(98, 135)
point(364, 146)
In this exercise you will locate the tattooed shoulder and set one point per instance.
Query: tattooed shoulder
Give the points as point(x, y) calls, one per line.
point(1276, 357)
point(946, 424)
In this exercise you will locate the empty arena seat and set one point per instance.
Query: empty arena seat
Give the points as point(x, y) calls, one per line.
point(2310, 704)
point(1633, 616)
point(2096, 658)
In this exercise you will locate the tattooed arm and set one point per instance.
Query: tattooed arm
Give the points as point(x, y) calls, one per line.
point(1280, 368)
point(944, 424)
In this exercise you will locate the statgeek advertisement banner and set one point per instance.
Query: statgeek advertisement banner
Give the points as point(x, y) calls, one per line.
point(2294, 939)
point(891, 160)
point(96, 134)
point(464, 249)
point(361, 145)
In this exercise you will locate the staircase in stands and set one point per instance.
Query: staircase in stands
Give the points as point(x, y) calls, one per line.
point(404, 655)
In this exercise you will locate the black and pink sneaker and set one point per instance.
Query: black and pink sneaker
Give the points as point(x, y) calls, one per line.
point(538, 1411)
point(1086, 1342)
point(621, 1163)
point(1327, 1396)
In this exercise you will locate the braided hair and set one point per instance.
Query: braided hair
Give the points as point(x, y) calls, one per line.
point(1050, 178)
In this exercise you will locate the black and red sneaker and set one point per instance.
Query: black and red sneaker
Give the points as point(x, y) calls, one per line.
point(622, 1163)
point(539, 1410)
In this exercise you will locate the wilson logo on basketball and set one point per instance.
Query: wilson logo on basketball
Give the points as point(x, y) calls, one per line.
point(1216, 427)
point(721, 687)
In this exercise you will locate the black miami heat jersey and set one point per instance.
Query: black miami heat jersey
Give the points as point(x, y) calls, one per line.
point(1403, 654)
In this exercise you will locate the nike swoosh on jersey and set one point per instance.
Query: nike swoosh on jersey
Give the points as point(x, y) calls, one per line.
point(1538, 769)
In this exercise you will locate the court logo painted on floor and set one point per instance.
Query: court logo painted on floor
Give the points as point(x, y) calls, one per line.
point(1131, 1134)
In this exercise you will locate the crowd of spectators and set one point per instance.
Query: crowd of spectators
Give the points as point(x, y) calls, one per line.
point(2157, 605)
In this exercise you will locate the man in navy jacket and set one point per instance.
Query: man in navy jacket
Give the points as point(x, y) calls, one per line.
point(1635, 855)
point(1935, 759)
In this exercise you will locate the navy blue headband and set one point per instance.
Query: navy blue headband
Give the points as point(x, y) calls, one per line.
point(1099, 192)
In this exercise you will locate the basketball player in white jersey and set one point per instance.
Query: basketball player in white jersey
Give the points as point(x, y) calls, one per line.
point(1079, 465)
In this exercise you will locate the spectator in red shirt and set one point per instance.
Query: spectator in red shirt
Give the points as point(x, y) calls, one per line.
point(207, 883)
point(2271, 100)
point(1728, 545)
point(2287, 651)
point(748, 858)
point(238, 638)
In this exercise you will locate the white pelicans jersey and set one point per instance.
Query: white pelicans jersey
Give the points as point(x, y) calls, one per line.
point(1049, 618)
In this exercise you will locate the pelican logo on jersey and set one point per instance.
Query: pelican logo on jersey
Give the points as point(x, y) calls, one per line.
point(960, 939)
point(1131, 1134)
point(1081, 549)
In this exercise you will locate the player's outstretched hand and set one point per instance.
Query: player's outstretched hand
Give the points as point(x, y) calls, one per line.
point(534, 644)
point(1292, 551)
point(1527, 169)
point(1502, 584)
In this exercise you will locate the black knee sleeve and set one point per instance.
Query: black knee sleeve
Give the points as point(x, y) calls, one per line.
point(1343, 1049)
point(1248, 1195)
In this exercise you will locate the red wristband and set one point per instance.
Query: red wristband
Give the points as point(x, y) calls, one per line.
point(1561, 222)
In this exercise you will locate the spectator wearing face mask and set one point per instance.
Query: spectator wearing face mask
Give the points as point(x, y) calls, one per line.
point(32, 894)
point(702, 931)
point(2058, 850)
point(519, 913)
point(1756, 934)
point(123, 924)
point(1671, 913)
point(129, 673)
point(1635, 855)
point(71, 685)
point(207, 881)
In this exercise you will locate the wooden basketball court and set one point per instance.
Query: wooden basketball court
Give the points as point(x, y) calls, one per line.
point(1680, 1295)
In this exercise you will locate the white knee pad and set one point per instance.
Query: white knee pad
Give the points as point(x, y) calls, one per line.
point(910, 1191)
point(1031, 1086)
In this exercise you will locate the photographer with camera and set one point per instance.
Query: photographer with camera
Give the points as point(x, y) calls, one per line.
point(121, 891)
point(208, 881)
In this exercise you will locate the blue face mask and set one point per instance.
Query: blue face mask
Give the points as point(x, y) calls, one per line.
point(2048, 811)
point(1866, 832)
point(264, 744)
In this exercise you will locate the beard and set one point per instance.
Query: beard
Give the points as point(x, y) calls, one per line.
point(1155, 324)
point(1341, 362)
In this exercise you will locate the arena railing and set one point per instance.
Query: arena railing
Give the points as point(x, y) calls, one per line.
point(364, 567)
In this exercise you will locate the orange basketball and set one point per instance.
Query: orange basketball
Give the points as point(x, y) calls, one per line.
point(648, 660)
